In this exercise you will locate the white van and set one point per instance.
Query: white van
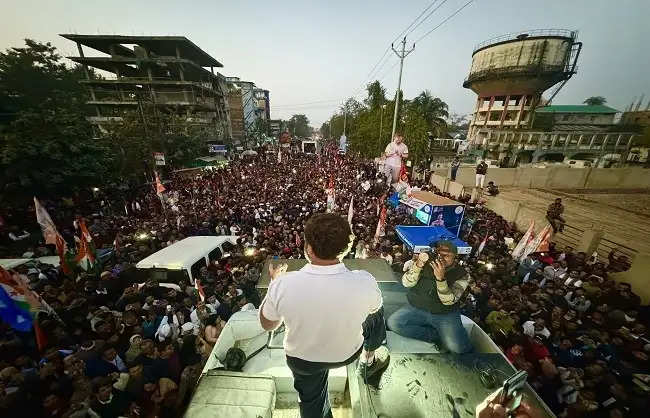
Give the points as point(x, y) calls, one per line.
point(184, 258)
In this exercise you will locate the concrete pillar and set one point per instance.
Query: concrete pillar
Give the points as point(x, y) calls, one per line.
point(590, 240)
point(504, 111)
point(487, 117)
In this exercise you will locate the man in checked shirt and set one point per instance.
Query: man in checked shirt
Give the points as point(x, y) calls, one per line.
point(433, 310)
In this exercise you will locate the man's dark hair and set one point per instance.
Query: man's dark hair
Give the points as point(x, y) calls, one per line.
point(328, 235)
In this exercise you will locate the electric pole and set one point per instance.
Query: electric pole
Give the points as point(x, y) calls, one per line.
point(401, 55)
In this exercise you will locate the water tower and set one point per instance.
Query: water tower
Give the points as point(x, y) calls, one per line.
point(510, 73)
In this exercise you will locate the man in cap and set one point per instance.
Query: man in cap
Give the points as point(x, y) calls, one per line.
point(433, 310)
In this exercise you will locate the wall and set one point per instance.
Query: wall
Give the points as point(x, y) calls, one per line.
point(559, 177)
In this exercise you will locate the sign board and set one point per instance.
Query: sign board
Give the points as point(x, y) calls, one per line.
point(159, 157)
point(217, 148)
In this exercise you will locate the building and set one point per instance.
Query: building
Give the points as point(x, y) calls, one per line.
point(254, 103)
point(510, 73)
point(236, 108)
point(639, 119)
point(513, 124)
point(169, 73)
point(575, 117)
point(263, 104)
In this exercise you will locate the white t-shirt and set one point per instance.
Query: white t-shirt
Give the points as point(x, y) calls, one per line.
point(392, 148)
point(323, 308)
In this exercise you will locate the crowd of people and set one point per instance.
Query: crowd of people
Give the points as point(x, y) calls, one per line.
point(119, 344)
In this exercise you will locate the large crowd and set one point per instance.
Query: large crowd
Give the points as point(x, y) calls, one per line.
point(120, 344)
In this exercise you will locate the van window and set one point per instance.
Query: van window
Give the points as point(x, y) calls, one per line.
point(214, 255)
point(196, 267)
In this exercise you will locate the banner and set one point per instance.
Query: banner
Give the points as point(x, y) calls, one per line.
point(159, 158)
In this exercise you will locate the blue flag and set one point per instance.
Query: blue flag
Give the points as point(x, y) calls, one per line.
point(12, 314)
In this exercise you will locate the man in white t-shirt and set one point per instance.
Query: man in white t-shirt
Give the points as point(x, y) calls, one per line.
point(395, 152)
point(332, 315)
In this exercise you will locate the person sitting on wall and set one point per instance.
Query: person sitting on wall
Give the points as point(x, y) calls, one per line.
point(492, 188)
point(554, 215)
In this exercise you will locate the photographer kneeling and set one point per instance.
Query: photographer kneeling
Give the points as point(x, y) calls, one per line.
point(433, 310)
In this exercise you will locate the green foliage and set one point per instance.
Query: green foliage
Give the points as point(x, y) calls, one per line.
point(368, 130)
point(51, 152)
point(595, 100)
point(47, 146)
point(376, 95)
point(298, 125)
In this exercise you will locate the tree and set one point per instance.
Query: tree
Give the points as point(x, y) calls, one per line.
point(298, 125)
point(595, 101)
point(376, 95)
point(46, 146)
point(432, 109)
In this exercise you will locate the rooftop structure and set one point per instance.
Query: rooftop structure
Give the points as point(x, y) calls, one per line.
point(510, 73)
point(166, 72)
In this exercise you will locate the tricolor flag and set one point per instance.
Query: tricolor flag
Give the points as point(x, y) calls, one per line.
point(380, 225)
point(525, 240)
point(159, 186)
point(199, 289)
point(17, 301)
point(298, 240)
point(351, 211)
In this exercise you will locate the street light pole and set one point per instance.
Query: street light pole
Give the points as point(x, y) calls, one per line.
point(345, 117)
point(401, 55)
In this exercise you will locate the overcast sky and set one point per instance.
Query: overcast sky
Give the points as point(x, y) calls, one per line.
point(316, 51)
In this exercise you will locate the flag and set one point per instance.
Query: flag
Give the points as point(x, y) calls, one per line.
point(331, 183)
point(199, 289)
point(403, 174)
point(298, 240)
point(351, 211)
point(85, 257)
point(525, 240)
point(44, 220)
point(51, 234)
point(482, 245)
point(279, 155)
point(84, 230)
point(159, 186)
point(535, 244)
point(14, 306)
point(380, 225)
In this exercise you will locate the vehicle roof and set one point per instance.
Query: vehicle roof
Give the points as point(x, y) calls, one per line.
point(10, 263)
point(184, 252)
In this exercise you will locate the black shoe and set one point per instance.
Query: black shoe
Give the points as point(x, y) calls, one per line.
point(366, 372)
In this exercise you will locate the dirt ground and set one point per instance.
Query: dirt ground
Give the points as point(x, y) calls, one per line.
point(624, 218)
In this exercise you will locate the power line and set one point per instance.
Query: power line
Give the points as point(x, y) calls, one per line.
point(444, 21)
point(426, 17)
point(378, 67)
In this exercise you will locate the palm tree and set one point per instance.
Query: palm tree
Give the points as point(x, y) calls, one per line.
point(595, 101)
point(433, 109)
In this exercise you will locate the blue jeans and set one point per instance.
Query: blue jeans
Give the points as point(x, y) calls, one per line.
point(310, 378)
point(453, 173)
point(445, 328)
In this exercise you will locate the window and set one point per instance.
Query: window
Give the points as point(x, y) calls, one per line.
point(196, 268)
point(214, 255)
point(565, 118)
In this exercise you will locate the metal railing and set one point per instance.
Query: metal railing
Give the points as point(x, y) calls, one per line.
point(569, 237)
point(531, 34)
point(605, 246)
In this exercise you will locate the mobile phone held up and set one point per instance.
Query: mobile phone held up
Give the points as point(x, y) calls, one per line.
point(512, 391)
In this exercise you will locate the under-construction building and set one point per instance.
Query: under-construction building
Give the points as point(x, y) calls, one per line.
point(169, 73)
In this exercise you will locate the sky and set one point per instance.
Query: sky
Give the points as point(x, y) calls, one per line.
point(311, 55)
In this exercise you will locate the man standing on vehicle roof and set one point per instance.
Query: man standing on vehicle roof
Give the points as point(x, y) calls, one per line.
point(433, 310)
point(396, 151)
point(332, 315)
